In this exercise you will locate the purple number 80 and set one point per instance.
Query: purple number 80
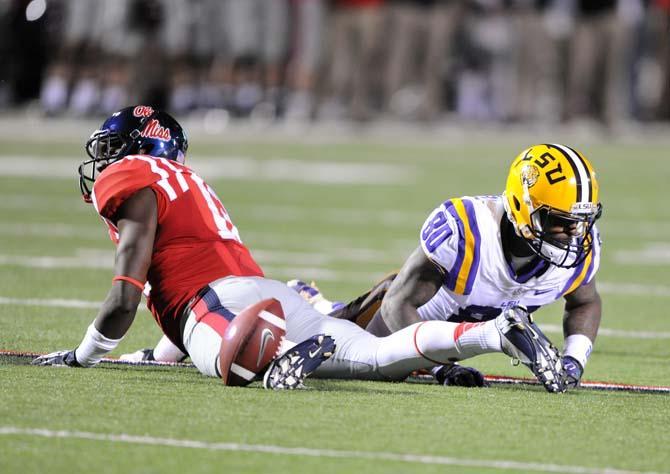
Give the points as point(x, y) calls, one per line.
point(436, 232)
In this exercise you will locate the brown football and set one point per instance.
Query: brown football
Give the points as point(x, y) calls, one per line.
point(251, 341)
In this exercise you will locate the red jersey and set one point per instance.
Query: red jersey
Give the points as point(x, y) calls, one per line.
point(196, 242)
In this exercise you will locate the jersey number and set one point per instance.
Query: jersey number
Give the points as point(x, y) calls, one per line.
point(221, 220)
point(436, 231)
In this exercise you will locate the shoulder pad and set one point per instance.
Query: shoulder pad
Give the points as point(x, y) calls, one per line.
point(121, 180)
point(450, 237)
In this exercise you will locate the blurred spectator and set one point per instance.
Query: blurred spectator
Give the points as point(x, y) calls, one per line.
point(661, 11)
point(420, 45)
point(258, 36)
point(539, 27)
point(356, 27)
point(504, 60)
point(600, 65)
point(307, 25)
point(484, 88)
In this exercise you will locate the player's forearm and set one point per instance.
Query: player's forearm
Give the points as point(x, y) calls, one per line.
point(106, 331)
point(583, 319)
point(118, 311)
point(580, 327)
point(398, 314)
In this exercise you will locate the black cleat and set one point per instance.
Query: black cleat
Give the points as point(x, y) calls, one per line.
point(523, 341)
point(288, 371)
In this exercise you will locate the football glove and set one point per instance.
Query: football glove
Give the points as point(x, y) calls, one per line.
point(63, 358)
point(573, 371)
point(459, 376)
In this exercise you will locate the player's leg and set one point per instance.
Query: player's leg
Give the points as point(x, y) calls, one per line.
point(425, 344)
point(361, 355)
point(209, 318)
point(360, 310)
point(165, 351)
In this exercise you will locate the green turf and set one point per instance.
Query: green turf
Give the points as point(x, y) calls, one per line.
point(351, 234)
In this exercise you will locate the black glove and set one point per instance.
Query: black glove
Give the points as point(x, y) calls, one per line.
point(573, 371)
point(57, 358)
point(459, 376)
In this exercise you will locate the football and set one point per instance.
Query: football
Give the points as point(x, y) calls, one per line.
point(251, 341)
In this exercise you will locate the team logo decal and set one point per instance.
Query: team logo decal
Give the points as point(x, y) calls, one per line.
point(155, 130)
point(266, 336)
point(143, 111)
point(529, 175)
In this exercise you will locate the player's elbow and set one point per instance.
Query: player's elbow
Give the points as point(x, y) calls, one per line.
point(397, 313)
point(123, 301)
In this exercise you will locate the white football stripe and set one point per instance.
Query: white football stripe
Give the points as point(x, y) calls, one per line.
point(163, 182)
point(82, 304)
point(237, 168)
point(273, 319)
point(242, 372)
point(556, 329)
point(581, 170)
point(313, 452)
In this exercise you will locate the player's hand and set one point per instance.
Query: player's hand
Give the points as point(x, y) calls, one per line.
point(459, 376)
point(65, 358)
point(573, 371)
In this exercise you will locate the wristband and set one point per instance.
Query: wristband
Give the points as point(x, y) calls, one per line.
point(138, 284)
point(579, 347)
point(93, 347)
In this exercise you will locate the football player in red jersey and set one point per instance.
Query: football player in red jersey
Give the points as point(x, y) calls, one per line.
point(176, 240)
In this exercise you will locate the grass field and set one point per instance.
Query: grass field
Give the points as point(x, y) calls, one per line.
point(343, 214)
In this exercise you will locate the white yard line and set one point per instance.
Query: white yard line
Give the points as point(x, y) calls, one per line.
point(556, 329)
point(296, 264)
point(50, 303)
point(83, 304)
point(653, 253)
point(310, 452)
point(240, 168)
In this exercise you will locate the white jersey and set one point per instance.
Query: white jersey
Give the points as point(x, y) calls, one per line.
point(462, 237)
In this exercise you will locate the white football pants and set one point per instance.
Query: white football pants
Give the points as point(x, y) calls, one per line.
point(359, 355)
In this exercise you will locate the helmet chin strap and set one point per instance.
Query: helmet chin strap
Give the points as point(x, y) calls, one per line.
point(513, 242)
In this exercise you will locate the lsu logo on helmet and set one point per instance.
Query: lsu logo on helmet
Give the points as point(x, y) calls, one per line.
point(549, 185)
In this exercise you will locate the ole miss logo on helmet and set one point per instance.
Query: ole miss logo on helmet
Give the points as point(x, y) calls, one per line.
point(154, 130)
point(143, 111)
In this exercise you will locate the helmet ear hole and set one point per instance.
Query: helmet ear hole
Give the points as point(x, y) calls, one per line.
point(517, 204)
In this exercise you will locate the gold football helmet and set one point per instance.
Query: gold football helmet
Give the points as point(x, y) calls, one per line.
point(551, 198)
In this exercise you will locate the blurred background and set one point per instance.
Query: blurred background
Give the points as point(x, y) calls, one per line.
point(603, 62)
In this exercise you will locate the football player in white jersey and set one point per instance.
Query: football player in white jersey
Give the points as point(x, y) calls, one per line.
point(479, 256)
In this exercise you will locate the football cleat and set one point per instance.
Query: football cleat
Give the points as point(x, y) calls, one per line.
point(524, 342)
point(142, 355)
point(288, 371)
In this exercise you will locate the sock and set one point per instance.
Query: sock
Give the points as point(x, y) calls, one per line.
point(445, 342)
point(423, 345)
point(166, 351)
